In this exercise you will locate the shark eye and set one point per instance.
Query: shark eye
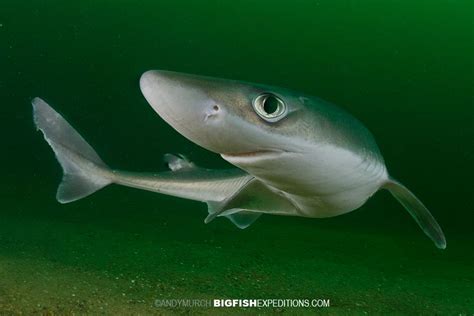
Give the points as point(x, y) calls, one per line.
point(269, 107)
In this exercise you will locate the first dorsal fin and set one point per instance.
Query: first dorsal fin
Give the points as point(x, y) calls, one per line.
point(178, 162)
point(418, 211)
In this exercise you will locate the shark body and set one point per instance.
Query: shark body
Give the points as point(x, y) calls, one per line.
point(295, 154)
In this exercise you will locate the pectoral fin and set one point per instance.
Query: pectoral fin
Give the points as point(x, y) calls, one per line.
point(248, 203)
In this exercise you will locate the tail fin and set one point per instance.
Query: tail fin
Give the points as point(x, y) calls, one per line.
point(418, 211)
point(83, 170)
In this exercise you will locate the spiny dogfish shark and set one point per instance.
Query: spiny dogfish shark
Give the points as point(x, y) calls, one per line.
point(295, 154)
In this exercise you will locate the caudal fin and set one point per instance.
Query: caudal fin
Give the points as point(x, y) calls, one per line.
point(83, 170)
point(418, 211)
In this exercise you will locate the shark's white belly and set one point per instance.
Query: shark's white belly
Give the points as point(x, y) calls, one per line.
point(324, 182)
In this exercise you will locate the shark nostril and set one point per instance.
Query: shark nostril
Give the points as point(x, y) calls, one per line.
point(212, 112)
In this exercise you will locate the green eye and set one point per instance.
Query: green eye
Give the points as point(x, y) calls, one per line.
point(269, 107)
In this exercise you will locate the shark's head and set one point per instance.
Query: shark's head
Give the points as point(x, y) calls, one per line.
point(244, 122)
point(293, 142)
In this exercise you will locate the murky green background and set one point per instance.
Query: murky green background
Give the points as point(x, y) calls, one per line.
point(404, 68)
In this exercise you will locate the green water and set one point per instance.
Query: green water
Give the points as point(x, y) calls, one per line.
point(404, 68)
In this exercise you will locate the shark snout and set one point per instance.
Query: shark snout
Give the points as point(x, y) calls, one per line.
point(166, 92)
point(215, 114)
point(183, 101)
point(176, 97)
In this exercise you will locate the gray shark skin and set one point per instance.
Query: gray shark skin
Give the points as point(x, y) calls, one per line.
point(294, 154)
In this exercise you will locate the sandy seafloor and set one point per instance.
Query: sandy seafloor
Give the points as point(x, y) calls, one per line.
point(122, 253)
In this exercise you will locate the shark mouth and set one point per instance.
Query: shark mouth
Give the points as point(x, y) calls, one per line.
point(253, 154)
